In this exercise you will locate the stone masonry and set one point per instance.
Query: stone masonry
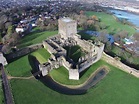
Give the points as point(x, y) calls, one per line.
point(68, 37)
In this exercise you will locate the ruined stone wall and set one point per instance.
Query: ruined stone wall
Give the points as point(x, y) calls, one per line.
point(48, 47)
point(99, 52)
point(53, 47)
point(23, 51)
point(86, 45)
point(87, 64)
point(61, 61)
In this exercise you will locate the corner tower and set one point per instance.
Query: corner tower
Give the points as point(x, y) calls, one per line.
point(67, 27)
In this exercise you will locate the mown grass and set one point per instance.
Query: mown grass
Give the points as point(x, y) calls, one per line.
point(42, 55)
point(117, 87)
point(111, 22)
point(61, 74)
point(36, 36)
point(22, 67)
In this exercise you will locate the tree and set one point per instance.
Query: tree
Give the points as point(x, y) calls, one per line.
point(108, 46)
point(10, 30)
point(15, 37)
point(103, 36)
point(123, 34)
point(136, 36)
point(95, 18)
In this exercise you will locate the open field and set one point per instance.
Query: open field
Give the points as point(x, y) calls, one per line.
point(35, 37)
point(22, 67)
point(112, 23)
point(1, 92)
point(117, 87)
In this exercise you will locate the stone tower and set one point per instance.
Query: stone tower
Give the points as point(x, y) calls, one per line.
point(67, 27)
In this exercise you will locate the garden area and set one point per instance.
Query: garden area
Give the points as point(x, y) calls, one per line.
point(110, 90)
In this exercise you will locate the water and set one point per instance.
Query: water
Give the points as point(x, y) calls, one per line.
point(131, 17)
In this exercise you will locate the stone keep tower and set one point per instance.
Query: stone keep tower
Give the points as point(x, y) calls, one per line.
point(67, 27)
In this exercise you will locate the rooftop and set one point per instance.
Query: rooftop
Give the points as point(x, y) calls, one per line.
point(67, 20)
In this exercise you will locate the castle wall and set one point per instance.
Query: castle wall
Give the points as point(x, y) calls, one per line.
point(48, 47)
point(99, 52)
point(73, 74)
point(67, 36)
point(86, 45)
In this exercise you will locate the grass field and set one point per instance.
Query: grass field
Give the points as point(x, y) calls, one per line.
point(117, 87)
point(61, 75)
point(22, 67)
point(35, 37)
point(112, 23)
point(1, 92)
point(41, 55)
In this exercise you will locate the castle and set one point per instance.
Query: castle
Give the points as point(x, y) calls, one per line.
point(67, 37)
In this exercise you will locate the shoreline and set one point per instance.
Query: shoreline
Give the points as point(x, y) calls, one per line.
point(123, 10)
point(131, 24)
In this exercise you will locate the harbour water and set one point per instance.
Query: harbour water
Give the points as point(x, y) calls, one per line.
point(131, 17)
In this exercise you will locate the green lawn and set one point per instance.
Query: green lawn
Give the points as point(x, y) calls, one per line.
point(42, 55)
point(22, 67)
point(19, 67)
point(112, 23)
point(1, 92)
point(35, 37)
point(125, 55)
point(61, 75)
point(117, 87)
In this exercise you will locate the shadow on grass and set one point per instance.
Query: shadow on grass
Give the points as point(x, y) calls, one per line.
point(14, 59)
point(49, 82)
point(34, 63)
point(83, 72)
